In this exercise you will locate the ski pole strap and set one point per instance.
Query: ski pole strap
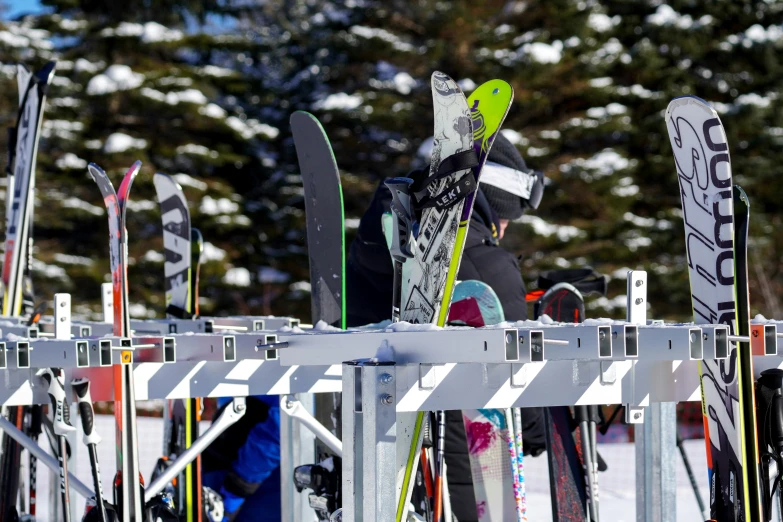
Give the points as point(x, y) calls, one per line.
point(450, 195)
point(585, 280)
point(179, 313)
point(467, 159)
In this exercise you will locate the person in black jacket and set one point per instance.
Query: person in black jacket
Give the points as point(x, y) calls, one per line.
point(507, 188)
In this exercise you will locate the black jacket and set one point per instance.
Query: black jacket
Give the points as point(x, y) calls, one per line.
point(369, 270)
point(369, 280)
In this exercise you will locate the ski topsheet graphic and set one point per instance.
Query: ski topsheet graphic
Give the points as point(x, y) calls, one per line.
point(438, 226)
point(176, 245)
point(124, 403)
point(703, 165)
point(23, 147)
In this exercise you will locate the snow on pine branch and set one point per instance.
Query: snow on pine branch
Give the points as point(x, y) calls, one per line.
point(119, 142)
point(151, 32)
point(114, 78)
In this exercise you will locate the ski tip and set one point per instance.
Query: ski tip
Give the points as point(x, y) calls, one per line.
point(95, 171)
point(165, 181)
point(301, 115)
point(47, 71)
point(134, 169)
point(689, 100)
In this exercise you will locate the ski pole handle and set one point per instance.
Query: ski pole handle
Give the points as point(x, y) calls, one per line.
point(81, 387)
point(402, 240)
point(55, 378)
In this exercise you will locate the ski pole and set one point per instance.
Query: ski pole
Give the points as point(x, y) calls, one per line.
point(687, 463)
point(593, 420)
point(81, 387)
point(62, 425)
point(582, 417)
point(402, 241)
point(438, 508)
point(35, 429)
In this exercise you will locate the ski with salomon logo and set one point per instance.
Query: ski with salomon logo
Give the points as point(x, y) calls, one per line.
point(701, 156)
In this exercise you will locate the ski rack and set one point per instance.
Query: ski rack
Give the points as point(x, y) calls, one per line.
point(389, 374)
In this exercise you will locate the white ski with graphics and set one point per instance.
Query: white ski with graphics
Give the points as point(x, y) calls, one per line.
point(701, 155)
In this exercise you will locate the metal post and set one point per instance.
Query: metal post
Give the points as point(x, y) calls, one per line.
point(655, 438)
point(656, 451)
point(297, 447)
point(369, 441)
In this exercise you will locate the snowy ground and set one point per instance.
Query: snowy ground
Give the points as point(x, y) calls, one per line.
point(617, 485)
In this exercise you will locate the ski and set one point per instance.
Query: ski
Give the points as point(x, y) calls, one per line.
point(498, 487)
point(446, 212)
point(701, 157)
point(181, 416)
point(128, 494)
point(23, 148)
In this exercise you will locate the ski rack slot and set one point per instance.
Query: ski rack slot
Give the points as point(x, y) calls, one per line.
point(50, 353)
point(627, 337)
point(3, 359)
point(451, 345)
point(207, 347)
point(671, 342)
point(104, 352)
point(585, 342)
point(270, 354)
point(154, 349)
point(715, 341)
point(20, 330)
point(764, 339)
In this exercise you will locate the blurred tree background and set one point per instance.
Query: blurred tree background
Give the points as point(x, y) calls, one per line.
point(204, 90)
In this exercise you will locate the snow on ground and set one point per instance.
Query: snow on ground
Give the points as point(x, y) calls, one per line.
point(617, 484)
point(115, 78)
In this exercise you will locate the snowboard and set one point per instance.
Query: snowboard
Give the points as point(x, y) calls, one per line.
point(128, 494)
point(428, 285)
point(325, 246)
point(714, 244)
